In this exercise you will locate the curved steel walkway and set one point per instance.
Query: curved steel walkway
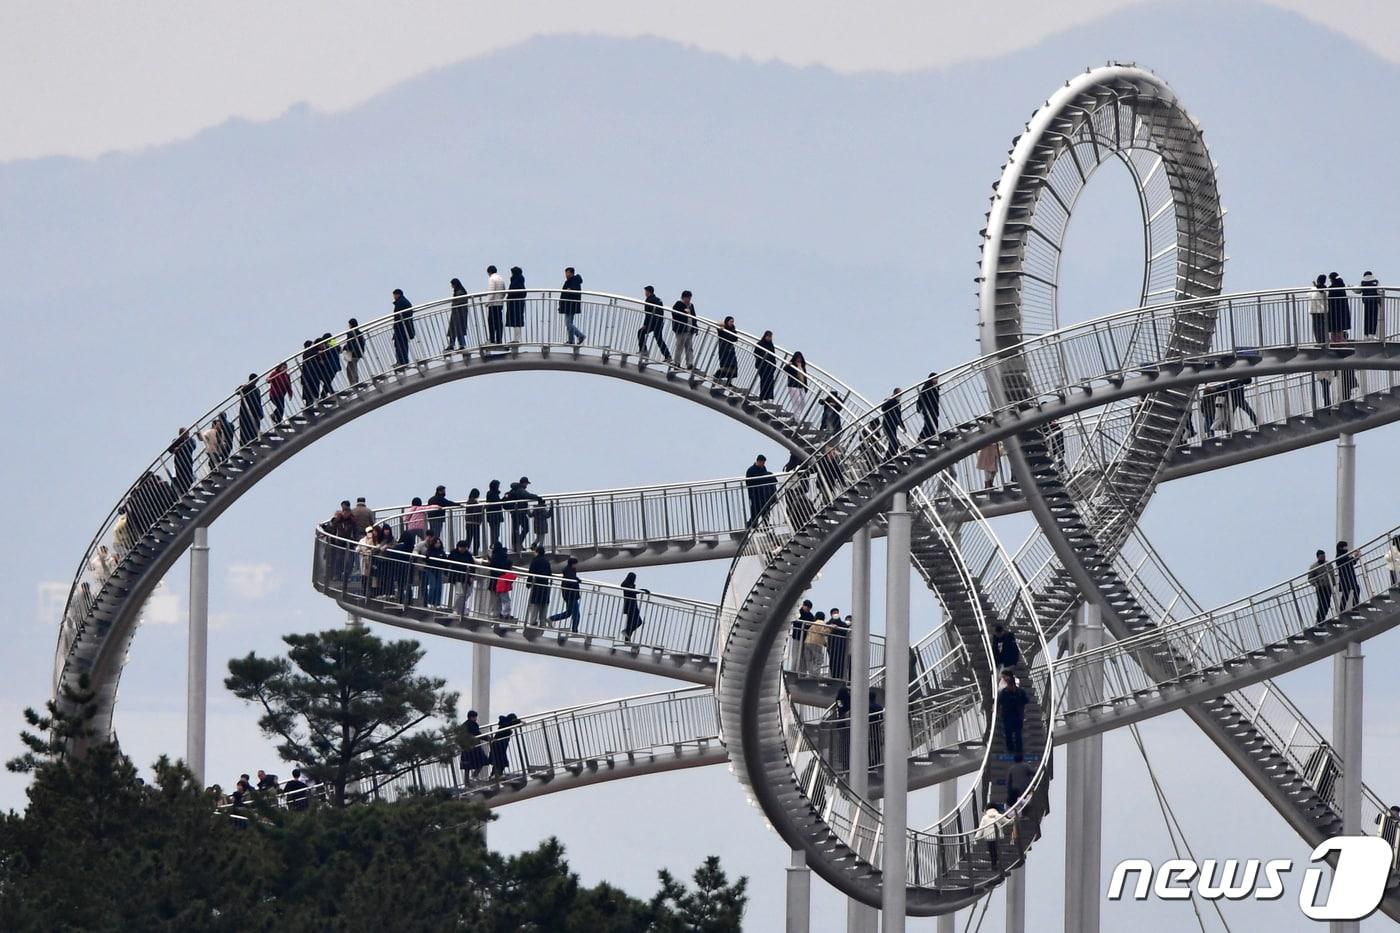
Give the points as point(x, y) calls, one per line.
point(1093, 418)
point(154, 521)
point(1112, 359)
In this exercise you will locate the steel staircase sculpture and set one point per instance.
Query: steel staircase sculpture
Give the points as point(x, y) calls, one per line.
point(1093, 418)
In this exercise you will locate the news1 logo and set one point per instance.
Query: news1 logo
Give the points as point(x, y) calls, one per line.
point(1358, 879)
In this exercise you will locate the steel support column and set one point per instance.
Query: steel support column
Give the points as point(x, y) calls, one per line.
point(947, 802)
point(860, 918)
point(1016, 901)
point(799, 894)
point(1084, 789)
point(894, 867)
point(197, 667)
point(1347, 669)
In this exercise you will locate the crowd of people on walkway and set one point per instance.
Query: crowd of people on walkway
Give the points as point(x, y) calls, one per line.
point(411, 565)
point(1335, 578)
point(296, 793)
point(478, 752)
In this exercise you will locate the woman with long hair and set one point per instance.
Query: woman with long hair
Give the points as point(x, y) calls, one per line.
point(796, 372)
point(515, 304)
point(457, 320)
point(728, 357)
point(631, 610)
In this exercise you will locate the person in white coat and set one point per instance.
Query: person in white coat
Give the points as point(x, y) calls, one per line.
point(989, 831)
point(495, 306)
point(1392, 560)
point(1317, 309)
point(103, 563)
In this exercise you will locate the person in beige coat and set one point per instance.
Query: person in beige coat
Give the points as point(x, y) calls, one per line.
point(814, 645)
point(988, 461)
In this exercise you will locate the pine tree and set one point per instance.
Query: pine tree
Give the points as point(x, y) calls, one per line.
point(345, 706)
point(714, 906)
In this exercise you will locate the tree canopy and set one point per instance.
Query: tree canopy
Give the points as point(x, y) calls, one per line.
point(99, 849)
point(347, 706)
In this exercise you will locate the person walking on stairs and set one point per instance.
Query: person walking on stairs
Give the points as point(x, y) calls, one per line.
point(570, 590)
point(653, 324)
point(631, 609)
point(1322, 579)
point(1011, 701)
point(1348, 589)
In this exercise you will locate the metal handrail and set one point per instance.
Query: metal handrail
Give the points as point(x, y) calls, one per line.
point(156, 495)
point(394, 580)
point(1044, 368)
point(1233, 631)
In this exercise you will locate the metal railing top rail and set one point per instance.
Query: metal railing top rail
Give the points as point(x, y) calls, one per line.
point(730, 482)
point(522, 576)
point(372, 336)
point(523, 727)
point(387, 577)
point(1370, 556)
point(1099, 350)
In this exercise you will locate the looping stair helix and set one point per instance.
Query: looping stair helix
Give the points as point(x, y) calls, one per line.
point(1092, 416)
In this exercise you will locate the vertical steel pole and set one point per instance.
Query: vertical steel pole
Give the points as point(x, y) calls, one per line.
point(799, 894)
point(1347, 669)
point(481, 692)
point(947, 801)
point(895, 868)
point(1091, 869)
point(1016, 901)
point(860, 918)
point(1083, 789)
point(197, 669)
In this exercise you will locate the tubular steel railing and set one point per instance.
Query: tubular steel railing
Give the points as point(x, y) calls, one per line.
point(395, 581)
point(653, 724)
point(1047, 368)
point(297, 390)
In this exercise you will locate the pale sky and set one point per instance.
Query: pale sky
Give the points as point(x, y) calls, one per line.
point(85, 78)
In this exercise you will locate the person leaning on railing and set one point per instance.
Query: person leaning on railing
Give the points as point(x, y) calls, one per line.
point(814, 645)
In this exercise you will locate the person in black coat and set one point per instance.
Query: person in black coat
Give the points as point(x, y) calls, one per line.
point(354, 349)
point(500, 743)
point(836, 643)
point(928, 406)
point(570, 305)
point(631, 608)
point(494, 515)
point(517, 503)
point(891, 422)
point(404, 331)
point(459, 318)
point(1005, 651)
point(295, 792)
point(330, 363)
point(440, 503)
point(570, 590)
point(761, 485)
point(1370, 293)
point(310, 373)
point(1011, 702)
point(474, 757)
point(181, 452)
point(459, 563)
point(653, 324)
point(1338, 308)
point(541, 579)
point(683, 325)
point(765, 362)
point(515, 302)
point(728, 357)
point(250, 411)
point(831, 415)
